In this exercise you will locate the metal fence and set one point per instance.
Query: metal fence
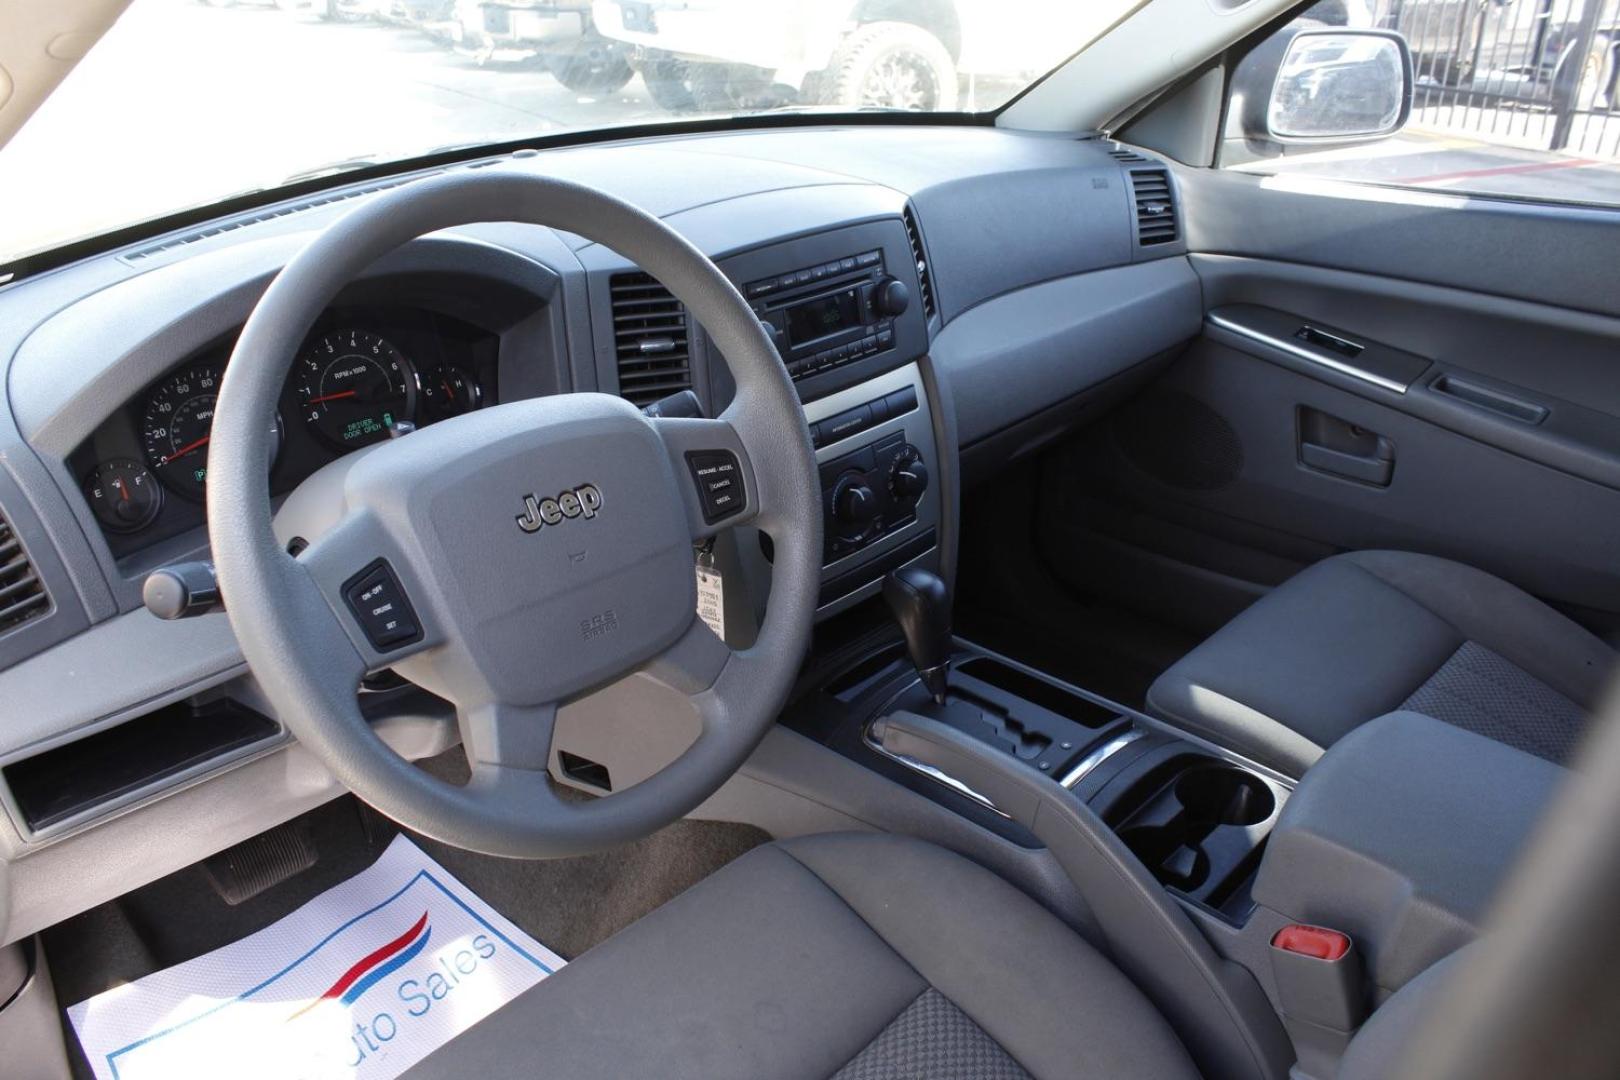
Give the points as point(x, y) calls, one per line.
point(1536, 73)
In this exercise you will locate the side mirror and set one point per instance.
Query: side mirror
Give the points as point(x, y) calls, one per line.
point(1324, 87)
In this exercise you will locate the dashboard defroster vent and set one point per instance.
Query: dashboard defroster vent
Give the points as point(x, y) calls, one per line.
point(1155, 207)
point(925, 281)
point(1120, 153)
point(22, 593)
point(650, 339)
point(172, 243)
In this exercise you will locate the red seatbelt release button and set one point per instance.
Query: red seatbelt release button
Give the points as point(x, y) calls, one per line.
point(1313, 941)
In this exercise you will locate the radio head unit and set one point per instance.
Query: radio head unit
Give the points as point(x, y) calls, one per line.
point(831, 314)
point(840, 305)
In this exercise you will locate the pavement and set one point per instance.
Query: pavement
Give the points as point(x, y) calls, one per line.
point(1439, 159)
point(184, 104)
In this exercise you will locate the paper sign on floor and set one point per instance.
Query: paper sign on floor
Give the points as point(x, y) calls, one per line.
point(360, 983)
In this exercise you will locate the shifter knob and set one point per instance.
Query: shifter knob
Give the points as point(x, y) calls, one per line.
point(922, 606)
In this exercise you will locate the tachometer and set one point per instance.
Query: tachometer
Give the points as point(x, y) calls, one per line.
point(354, 387)
point(177, 425)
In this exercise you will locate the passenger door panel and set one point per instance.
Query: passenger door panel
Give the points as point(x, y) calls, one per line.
point(1446, 407)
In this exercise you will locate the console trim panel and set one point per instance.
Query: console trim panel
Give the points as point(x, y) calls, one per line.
point(1100, 754)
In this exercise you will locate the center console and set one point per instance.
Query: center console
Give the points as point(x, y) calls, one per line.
point(842, 308)
point(1306, 905)
point(1197, 817)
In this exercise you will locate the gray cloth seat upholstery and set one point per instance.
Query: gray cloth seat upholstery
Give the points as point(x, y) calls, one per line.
point(856, 956)
point(1370, 632)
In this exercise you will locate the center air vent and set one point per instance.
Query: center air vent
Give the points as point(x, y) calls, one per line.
point(1155, 207)
point(650, 340)
point(22, 593)
point(925, 282)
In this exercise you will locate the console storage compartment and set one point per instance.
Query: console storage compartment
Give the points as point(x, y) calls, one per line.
point(1399, 836)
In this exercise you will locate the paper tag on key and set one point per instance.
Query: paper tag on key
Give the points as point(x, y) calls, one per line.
point(711, 595)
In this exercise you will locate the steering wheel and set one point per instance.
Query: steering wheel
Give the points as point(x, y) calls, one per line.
point(519, 556)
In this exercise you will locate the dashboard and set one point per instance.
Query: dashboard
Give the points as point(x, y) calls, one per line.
point(944, 298)
point(364, 374)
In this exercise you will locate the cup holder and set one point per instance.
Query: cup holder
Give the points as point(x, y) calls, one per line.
point(1172, 858)
point(1223, 795)
point(1199, 825)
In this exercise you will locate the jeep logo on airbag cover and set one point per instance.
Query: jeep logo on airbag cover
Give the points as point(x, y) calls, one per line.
point(582, 501)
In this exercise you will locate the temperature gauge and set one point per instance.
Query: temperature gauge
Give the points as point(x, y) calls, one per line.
point(449, 391)
point(123, 495)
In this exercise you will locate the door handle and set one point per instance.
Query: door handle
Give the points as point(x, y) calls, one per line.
point(1339, 448)
point(1368, 470)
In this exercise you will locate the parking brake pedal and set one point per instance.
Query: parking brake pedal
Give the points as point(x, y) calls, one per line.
point(242, 872)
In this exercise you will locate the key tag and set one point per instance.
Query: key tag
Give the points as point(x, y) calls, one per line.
point(711, 591)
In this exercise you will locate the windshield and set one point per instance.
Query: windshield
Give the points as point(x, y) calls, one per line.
point(185, 103)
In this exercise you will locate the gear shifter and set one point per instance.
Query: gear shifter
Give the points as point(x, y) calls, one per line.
point(922, 606)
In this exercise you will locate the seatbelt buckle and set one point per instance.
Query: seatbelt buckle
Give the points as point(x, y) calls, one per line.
point(1317, 942)
point(1318, 976)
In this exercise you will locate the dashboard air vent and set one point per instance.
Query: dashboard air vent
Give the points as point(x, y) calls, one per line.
point(22, 593)
point(1155, 207)
point(650, 340)
point(925, 282)
point(1122, 154)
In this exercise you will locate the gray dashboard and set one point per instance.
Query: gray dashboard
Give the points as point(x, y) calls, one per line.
point(1031, 287)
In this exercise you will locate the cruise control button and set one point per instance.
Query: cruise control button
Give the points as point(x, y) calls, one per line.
point(379, 605)
point(719, 483)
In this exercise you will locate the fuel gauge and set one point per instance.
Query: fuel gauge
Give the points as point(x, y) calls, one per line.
point(123, 495)
point(449, 391)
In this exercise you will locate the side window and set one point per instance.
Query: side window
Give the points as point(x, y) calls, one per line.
point(1515, 98)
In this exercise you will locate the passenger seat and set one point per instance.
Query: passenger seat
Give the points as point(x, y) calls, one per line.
point(1369, 632)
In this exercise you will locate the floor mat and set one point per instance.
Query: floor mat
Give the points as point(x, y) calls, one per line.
point(361, 982)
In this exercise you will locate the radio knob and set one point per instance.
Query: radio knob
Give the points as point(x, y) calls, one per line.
point(908, 477)
point(854, 502)
point(893, 298)
point(773, 332)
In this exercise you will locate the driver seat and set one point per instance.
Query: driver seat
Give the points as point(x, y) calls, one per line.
point(840, 955)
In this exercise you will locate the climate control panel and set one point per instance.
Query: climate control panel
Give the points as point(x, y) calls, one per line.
point(870, 493)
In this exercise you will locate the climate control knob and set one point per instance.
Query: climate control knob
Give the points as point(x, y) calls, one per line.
point(908, 476)
point(853, 501)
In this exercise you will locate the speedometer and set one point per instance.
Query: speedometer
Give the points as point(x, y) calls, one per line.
point(177, 425)
point(354, 386)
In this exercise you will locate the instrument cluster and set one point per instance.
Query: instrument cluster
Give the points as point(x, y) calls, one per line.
point(362, 376)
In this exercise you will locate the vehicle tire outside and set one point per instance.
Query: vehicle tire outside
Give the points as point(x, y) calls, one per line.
point(891, 65)
point(669, 83)
point(1599, 76)
point(685, 86)
point(1581, 78)
point(592, 65)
